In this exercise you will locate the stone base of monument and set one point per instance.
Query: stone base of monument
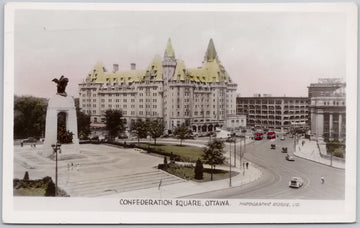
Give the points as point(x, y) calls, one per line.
point(60, 104)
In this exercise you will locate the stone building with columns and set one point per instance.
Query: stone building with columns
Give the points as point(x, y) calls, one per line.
point(328, 109)
point(202, 97)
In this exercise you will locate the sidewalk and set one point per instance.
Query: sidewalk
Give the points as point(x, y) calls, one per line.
point(190, 187)
point(310, 151)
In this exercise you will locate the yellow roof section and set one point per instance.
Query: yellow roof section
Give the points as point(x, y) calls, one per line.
point(180, 71)
point(169, 51)
point(100, 75)
point(211, 71)
point(154, 70)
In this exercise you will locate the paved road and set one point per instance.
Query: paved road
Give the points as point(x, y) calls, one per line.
point(277, 172)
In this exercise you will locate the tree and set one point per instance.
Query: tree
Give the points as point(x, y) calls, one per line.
point(213, 154)
point(114, 123)
point(199, 170)
point(29, 116)
point(83, 124)
point(140, 129)
point(155, 129)
point(182, 132)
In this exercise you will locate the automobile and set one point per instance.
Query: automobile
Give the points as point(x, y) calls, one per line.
point(30, 140)
point(282, 138)
point(296, 182)
point(273, 146)
point(289, 157)
point(284, 150)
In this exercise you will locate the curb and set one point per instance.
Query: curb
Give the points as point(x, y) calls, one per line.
point(298, 156)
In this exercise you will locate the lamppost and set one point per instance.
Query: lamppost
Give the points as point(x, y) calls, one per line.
point(56, 147)
point(230, 163)
point(234, 151)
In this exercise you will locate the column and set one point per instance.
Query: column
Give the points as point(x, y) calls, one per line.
point(320, 124)
point(330, 125)
point(340, 123)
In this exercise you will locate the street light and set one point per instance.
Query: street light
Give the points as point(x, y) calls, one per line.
point(56, 147)
point(230, 163)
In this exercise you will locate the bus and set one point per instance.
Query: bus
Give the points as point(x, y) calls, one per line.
point(271, 135)
point(258, 136)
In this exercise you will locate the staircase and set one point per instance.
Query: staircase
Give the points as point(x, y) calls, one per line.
point(95, 187)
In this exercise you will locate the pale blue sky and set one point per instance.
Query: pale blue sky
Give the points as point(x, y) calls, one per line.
point(276, 53)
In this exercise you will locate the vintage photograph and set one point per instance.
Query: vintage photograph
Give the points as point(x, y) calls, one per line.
point(155, 107)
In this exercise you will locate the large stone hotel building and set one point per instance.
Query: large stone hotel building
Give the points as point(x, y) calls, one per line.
point(203, 97)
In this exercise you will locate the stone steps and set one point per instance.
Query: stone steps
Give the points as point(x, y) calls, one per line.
point(119, 183)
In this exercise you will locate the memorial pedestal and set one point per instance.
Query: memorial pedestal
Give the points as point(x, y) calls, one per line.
point(56, 105)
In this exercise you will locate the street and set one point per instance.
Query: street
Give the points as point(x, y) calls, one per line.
point(277, 172)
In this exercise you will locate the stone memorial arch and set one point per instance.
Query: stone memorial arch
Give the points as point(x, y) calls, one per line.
point(61, 103)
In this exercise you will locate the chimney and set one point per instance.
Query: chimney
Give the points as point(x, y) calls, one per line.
point(115, 67)
point(133, 66)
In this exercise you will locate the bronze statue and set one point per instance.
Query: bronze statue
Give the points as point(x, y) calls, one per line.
point(61, 85)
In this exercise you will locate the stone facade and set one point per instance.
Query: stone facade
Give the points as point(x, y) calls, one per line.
point(328, 109)
point(280, 113)
point(203, 97)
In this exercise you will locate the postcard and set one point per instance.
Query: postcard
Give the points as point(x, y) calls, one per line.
point(179, 113)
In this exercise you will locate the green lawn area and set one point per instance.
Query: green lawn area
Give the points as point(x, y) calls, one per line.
point(182, 153)
point(187, 172)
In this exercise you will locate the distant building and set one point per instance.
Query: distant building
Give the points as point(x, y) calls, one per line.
point(328, 109)
point(202, 97)
point(280, 113)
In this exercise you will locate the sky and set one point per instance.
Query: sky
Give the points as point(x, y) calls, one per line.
point(278, 53)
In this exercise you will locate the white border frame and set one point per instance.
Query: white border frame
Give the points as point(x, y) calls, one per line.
point(111, 213)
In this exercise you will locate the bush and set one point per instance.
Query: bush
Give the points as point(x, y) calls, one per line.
point(26, 176)
point(51, 189)
point(199, 170)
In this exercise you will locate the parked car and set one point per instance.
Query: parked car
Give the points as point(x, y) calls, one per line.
point(296, 182)
point(273, 146)
point(289, 157)
point(284, 150)
point(282, 138)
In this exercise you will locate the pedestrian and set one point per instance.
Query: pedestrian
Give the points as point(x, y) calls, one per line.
point(72, 166)
point(247, 165)
point(322, 180)
point(303, 142)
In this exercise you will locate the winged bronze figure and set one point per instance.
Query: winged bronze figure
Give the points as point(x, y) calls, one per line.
point(61, 85)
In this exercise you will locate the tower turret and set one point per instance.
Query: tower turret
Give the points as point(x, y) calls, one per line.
point(211, 54)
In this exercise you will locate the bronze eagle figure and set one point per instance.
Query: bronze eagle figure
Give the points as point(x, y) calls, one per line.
point(61, 85)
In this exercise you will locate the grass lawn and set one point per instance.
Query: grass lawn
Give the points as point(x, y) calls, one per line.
point(183, 153)
point(187, 172)
point(29, 192)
